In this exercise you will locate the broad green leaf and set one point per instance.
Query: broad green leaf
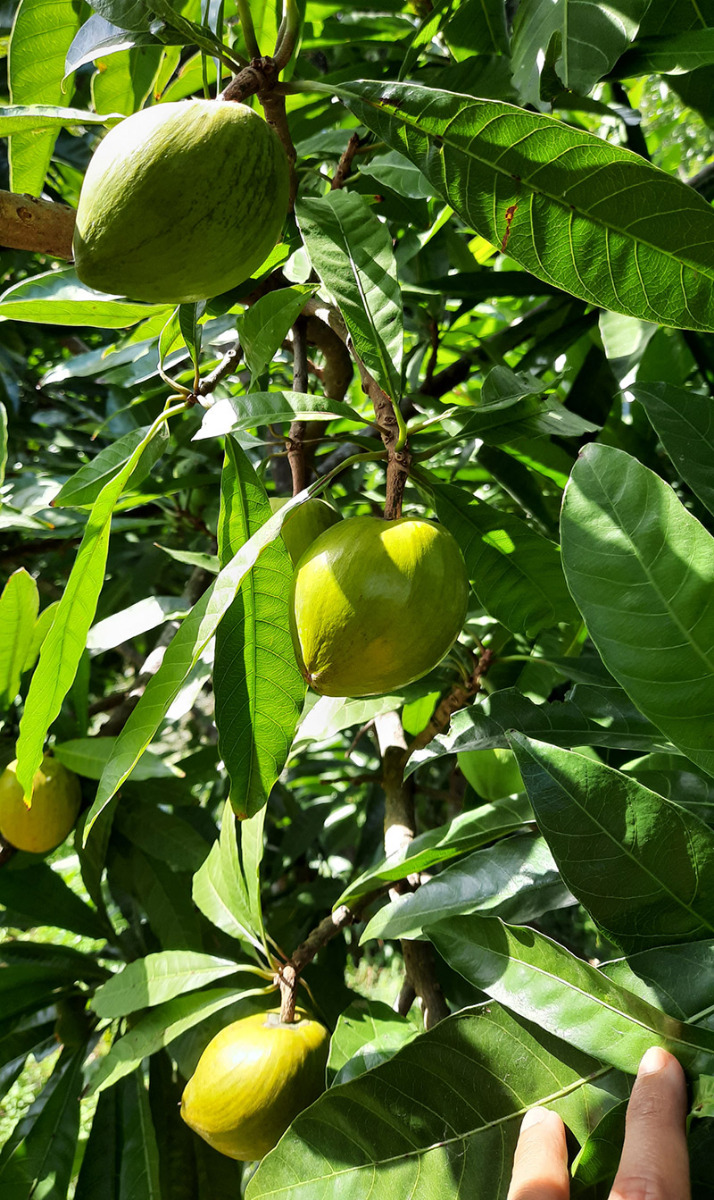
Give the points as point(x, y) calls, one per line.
point(58, 298)
point(591, 717)
point(42, 33)
point(667, 55)
point(263, 326)
point(52, 958)
point(23, 118)
point(329, 715)
point(641, 569)
point(606, 832)
point(368, 1033)
point(581, 202)
point(599, 1157)
point(19, 603)
point(220, 889)
point(163, 835)
point(121, 1161)
point(515, 572)
point(684, 422)
point(88, 756)
point(123, 82)
point(157, 978)
point(234, 413)
point(39, 894)
point(155, 1030)
point(351, 250)
point(676, 979)
point(163, 894)
point(675, 778)
point(592, 34)
point(182, 653)
point(258, 687)
point(38, 1157)
point(64, 645)
point(82, 489)
point(387, 1134)
point(542, 981)
point(516, 880)
point(132, 621)
point(464, 833)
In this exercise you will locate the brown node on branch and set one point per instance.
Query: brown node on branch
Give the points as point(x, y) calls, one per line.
point(40, 226)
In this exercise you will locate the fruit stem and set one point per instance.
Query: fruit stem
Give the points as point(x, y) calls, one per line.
point(287, 34)
point(287, 981)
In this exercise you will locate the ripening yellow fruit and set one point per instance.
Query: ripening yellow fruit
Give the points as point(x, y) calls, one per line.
point(55, 806)
point(252, 1080)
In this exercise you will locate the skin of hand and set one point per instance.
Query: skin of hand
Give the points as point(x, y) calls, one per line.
point(654, 1163)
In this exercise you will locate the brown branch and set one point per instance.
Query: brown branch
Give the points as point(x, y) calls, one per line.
point(275, 115)
point(458, 697)
point(40, 226)
point(294, 444)
point(344, 166)
point(399, 829)
point(230, 360)
point(259, 76)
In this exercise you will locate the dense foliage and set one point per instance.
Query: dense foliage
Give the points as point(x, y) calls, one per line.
point(497, 288)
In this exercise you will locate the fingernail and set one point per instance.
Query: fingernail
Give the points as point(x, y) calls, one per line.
point(534, 1116)
point(653, 1060)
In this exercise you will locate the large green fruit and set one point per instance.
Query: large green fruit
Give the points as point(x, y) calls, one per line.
point(252, 1080)
point(55, 805)
point(376, 604)
point(180, 202)
point(304, 524)
point(492, 773)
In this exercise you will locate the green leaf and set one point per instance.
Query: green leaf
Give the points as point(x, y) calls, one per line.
point(606, 832)
point(157, 1029)
point(163, 894)
point(161, 834)
point(132, 621)
point(38, 1157)
point(220, 888)
point(88, 756)
point(39, 894)
point(263, 326)
point(682, 420)
point(582, 202)
point(64, 645)
point(368, 1033)
point(351, 250)
point(157, 978)
point(542, 981)
point(668, 55)
point(3, 444)
point(466, 832)
point(39, 633)
point(516, 880)
point(19, 602)
point(641, 569)
point(676, 979)
point(83, 488)
point(23, 118)
point(386, 1134)
point(58, 298)
point(181, 655)
point(234, 413)
point(258, 686)
point(125, 80)
point(41, 36)
point(515, 572)
point(121, 1161)
point(592, 716)
point(592, 34)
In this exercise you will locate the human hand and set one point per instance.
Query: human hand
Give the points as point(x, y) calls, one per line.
point(654, 1161)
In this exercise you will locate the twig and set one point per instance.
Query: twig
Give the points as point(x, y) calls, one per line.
point(40, 226)
point(344, 166)
point(457, 698)
point(230, 360)
point(274, 108)
point(294, 445)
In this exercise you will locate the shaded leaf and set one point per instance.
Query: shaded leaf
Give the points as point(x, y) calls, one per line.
point(19, 603)
point(684, 424)
point(121, 1161)
point(38, 893)
point(234, 413)
point(38, 1157)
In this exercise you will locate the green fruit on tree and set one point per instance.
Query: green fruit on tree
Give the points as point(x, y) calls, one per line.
point(304, 524)
point(55, 805)
point(376, 604)
point(491, 773)
point(252, 1080)
point(180, 202)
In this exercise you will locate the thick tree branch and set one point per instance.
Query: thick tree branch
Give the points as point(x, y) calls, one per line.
point(39, 226)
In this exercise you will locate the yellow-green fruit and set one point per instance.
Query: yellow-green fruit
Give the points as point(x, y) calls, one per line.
point(56, 798)
point(304, 524)
point(252, 1080)
point(180, 202)
point(492, 773)
point(376, 604)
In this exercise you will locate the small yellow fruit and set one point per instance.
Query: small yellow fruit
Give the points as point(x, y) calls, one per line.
point(55, 805)
point(376, 604)
point(252, 1080)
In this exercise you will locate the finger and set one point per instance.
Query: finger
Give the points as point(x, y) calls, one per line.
point(654, 1162)
point(540, 1166)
